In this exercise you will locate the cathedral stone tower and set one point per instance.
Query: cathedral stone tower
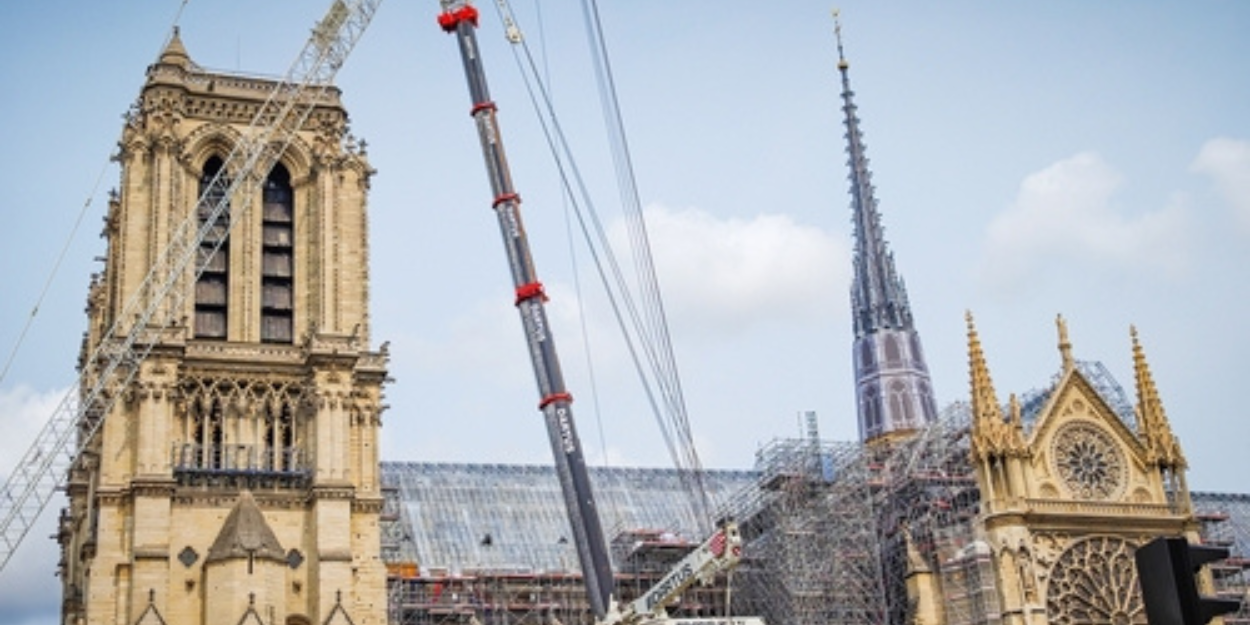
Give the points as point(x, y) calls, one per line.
point(893, 391)
point(235, 477)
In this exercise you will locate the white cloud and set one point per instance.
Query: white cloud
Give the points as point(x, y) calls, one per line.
point(23, 412)
point(29, 592)
point(1066, 213)
point(731, 274)
point(1227, 162)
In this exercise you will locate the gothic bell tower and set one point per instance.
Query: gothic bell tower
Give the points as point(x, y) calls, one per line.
point(235, 475)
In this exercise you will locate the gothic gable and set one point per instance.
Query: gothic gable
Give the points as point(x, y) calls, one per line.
point(1072, 481)
point(1082, 450)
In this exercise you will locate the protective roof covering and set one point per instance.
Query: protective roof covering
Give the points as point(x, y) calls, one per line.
point(501, 517)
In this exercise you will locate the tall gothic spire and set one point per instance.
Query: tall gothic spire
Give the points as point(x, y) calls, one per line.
point(893, 390)
point(878, 296)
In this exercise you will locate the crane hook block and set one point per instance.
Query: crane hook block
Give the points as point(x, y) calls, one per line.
point(450, 19)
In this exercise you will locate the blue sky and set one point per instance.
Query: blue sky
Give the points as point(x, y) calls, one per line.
point(1084, 159)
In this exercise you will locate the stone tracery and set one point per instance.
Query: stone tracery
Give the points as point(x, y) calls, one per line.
point(1095, 581)
point(239, 425)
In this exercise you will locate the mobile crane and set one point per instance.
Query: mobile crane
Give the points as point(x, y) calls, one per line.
point(719, 553)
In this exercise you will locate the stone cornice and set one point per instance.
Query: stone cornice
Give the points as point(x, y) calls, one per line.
point(153, 486)
point(261, 356)
point(368, 505)
point(330, 492)
point(1080, 516)
point(195, 83)
point(111, 496)
point(331, 350)
point(220, 498)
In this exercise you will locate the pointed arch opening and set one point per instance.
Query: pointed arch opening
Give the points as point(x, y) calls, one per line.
point(893, 354)
point(279, 438)
point(277, 319)
point(900, 402)
point(204, 449)
point(212, 284)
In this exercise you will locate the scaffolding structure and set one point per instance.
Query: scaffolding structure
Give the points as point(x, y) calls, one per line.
point(490, 544)
point(836, 530)
point(1225, 522)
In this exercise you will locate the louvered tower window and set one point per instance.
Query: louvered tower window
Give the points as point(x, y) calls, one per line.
point(277, 259)
point(212, 288)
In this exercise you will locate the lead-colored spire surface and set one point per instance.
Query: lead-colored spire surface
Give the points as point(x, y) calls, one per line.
point(893, 390)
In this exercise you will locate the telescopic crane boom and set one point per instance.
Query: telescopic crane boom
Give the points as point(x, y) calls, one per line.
point(555, 402)
point(719, 553)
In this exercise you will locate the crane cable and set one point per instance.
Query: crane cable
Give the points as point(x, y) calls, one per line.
point(615, 509)
point(47, 284)
point(649, 331)
point(644, 263)
point(69, 240)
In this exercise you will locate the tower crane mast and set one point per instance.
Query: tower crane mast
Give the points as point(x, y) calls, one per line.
point(157, 302)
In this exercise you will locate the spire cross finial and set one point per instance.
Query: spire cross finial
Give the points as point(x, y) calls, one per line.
point(837, 33)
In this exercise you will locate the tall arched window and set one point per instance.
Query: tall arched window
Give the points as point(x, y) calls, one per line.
point(277, 259)
point(279, 438)
point(207, 434)
point(212, 288)
point(866, 359)
point(901, 404)
point(893, 356)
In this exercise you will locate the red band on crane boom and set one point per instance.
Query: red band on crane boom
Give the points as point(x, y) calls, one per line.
point(450, 19)
point(505, 197)
point(482, 106)
point(554, 397)
point(529, 291)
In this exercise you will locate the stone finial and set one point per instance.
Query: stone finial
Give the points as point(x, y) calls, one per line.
point(1065, 345)
point(987, 415)
point(175, 53)
point(1162, 447)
